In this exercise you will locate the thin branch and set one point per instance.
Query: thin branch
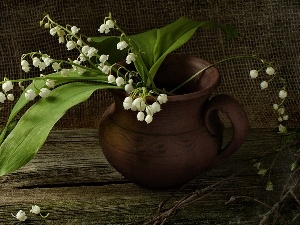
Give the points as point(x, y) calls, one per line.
point(160, 217)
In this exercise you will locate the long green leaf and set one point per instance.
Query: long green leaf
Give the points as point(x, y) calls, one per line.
point(22, 101)
point(156, 44)
point(34, 126)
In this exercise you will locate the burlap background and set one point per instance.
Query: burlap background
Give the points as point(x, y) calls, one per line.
point(268, 27)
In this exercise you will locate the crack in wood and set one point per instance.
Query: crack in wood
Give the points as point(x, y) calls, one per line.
point(68, 185)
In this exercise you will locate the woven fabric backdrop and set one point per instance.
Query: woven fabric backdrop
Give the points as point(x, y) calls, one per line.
point(270, 28)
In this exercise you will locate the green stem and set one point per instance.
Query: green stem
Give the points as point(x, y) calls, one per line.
point(75, 36)
point(214, 64)
point(101, 79)
point(135, 50)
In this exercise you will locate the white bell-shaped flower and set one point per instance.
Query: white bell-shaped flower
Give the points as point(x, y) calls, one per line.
point(270, 71)
point(120, 81)
point(7, 86)
point(44, 92)
point(111, 78)
point(35, 209)
point(140, 116)
point(264, 85)
point(149, 118)
point(2, 97)
point(282, 94)
point(30, 95)
point(253, 74)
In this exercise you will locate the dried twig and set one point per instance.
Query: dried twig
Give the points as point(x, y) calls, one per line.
point(161, 216)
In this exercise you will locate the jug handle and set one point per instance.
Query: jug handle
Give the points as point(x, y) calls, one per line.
point(236, 114)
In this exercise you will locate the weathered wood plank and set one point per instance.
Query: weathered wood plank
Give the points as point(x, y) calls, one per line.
point(70, 179)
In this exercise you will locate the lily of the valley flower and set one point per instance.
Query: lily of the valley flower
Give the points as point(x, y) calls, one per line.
point(30, 95)
point(110, 23)
point(130, 58)
point(91, 52)
point(106, 69)
point(7, 86)
point(111, 78)
point(10, 97)
point(2, 97)
point(281, 128)
point(103, 58)
point(44, 92)
point(122, 45)
point(65, 72)
point(53, 31)
point(149, 118)
point(74, 30)
point(120, 81)
point(71, 45)
point(270, 71)
point(128, 88)
point(36, 61)
point(21, 215)
point(253, 74)
point(25, 66)
point(47, 60)
point(35, 209)
point(264, 85)
point(85, 49)
point(104, 28)
point(56, 66)
point(140, 116)
point(155, 106)
point(79, 42)
point(127, 103)
point(162, 98)
point(282, 94)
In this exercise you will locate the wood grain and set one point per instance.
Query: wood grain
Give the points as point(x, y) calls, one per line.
point(71, 180)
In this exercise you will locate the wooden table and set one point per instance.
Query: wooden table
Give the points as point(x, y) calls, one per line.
point(71, 180)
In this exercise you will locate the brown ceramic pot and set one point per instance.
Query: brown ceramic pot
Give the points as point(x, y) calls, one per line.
point(184, 138)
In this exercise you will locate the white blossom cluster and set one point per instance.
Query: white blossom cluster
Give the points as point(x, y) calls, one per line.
point(145, 111)
point(282, 94)
point(136, 101)
point(21, 215)
point(6, 87)
point(30, 94)
point(73, 40)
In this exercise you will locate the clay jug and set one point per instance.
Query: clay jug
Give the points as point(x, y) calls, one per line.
point(184, 138)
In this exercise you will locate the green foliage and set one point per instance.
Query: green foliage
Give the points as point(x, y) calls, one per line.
point(21, 140)
point(30, 133)
point(158, 43)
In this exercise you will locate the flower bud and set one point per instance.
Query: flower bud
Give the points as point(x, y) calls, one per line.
point(282, 94)
point(263, 85)
point(270, 71)
point(35, 209)
point(140, 116)
point(253, 74)
point(111, 78)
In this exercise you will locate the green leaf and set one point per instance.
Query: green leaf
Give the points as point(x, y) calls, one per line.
point(230, 32)
point(107, 45)
point(34, 126)
point(156, 44)
point(22, 101)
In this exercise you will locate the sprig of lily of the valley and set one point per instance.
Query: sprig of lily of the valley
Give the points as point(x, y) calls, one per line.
point(97, 67)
